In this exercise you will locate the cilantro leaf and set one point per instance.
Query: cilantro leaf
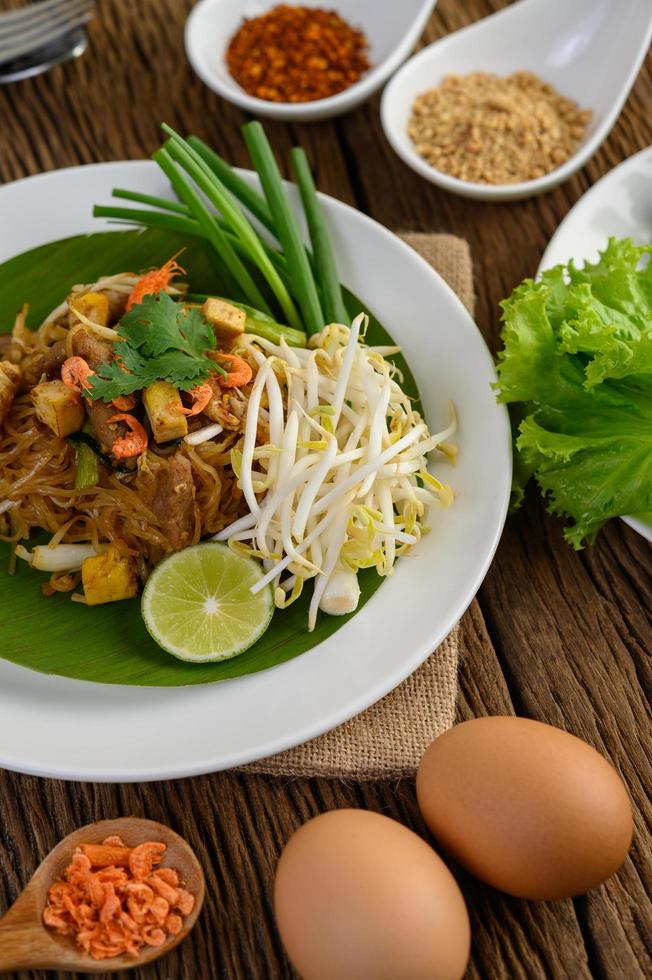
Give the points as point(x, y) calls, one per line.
point(159, 324)
point(160, 340)
point(577, 366)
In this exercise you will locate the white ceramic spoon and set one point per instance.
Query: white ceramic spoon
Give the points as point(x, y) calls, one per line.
point(392, 29)
point(590, 50)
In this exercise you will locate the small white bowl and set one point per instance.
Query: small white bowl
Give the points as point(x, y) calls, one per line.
point(391, 36)
point(590, 50)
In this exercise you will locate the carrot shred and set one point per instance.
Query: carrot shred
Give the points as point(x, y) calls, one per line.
point(154, 281)
point(113, 900)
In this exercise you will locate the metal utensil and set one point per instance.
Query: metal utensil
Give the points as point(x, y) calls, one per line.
point(71, 45)
point(37, 26)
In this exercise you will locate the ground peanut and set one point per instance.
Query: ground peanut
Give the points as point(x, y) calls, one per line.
point(490, 130)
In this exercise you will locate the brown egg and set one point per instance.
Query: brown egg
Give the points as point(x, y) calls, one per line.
point(526, 807)
point(360, 897)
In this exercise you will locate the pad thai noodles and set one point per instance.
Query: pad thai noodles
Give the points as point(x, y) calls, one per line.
point(311, 459)
point(139, 419)
point(148, 471)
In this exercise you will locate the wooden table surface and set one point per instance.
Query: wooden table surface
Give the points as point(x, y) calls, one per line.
point(560, 636)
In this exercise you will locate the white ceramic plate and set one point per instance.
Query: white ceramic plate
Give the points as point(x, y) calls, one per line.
point(620, 206)
point(52, 726)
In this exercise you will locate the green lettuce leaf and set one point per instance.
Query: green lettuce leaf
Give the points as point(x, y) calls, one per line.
point(577, 368)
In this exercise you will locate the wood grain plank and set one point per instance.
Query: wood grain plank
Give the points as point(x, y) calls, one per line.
point(569, 661)
point(482, 686)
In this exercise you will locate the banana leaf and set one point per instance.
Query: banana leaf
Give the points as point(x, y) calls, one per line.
point(109, 644)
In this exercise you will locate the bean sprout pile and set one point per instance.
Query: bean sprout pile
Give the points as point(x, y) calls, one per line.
point(341, 483)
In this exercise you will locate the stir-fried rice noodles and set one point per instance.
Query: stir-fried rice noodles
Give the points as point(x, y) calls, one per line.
point(313, 460)
point(171, 496)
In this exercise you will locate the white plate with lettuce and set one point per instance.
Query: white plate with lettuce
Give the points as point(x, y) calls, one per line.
point(597, 463)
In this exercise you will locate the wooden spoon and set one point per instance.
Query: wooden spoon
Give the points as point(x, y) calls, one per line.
point(26, 944)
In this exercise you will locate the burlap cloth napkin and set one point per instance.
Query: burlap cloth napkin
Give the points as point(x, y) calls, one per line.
point(387, 740)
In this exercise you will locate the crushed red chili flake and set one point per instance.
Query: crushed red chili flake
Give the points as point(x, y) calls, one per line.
point(296, 54)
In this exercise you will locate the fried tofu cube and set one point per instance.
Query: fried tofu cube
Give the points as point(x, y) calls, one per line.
point(164, 407)
point(227, 321)
point(58, 407)
point(94, 306)
point(110, 577)
point(9, 381)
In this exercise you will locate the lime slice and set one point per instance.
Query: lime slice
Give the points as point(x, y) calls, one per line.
point(198, 604)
